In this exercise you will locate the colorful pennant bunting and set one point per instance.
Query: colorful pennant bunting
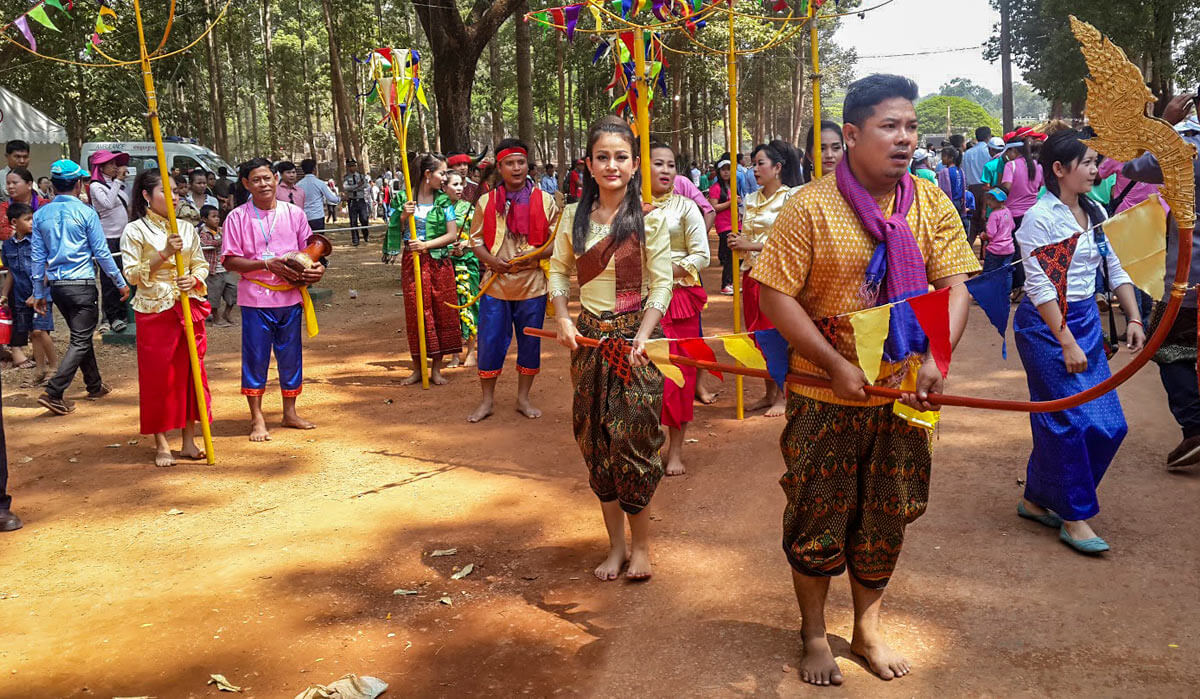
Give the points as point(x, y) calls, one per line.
point(571, 16)
point(870, 332)
point(1056, 260)
point(659, 352)
point(742, 349)
point(38, 13)
point(933, 313)
point(991, 291)
point(23, 25)
point(775, 350)
point(927, 419)
point(699, 349)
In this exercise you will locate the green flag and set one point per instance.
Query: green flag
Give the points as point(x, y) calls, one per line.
point(38, 13)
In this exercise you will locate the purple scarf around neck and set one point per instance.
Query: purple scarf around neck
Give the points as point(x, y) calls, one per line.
point(897, 269)
point(517, 203)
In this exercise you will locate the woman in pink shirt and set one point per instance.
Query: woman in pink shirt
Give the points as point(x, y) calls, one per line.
point(1021, 180)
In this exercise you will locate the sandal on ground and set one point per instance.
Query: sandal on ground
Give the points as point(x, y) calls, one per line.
point(1092, 546)
point(1049, 518)
point(27, 364)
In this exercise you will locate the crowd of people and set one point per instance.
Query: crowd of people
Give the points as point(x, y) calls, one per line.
point(487, 249)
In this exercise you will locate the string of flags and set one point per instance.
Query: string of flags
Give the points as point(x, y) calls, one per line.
point(396, 77)
point(1137, 237)
point(105, 21)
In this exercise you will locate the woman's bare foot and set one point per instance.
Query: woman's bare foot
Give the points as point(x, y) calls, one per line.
point(817, 665)
point(705, 396)
point(163, 458)
point(639, 565)
point(412, 379)
point(454, 362)
point(470, 361)
point(675, 466)
point(761, 404)
point(527, 409)
point(483, 412)
point(258, 430)
point(297, 423)
point(882, 660)
point(610, 569)
point(777, 409)
point(436, 378)
point(193, 452)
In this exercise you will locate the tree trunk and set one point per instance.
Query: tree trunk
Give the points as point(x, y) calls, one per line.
point(677, 74)
point(235, 100)
point(573, 112)
point(337, 87)
point(561, 154)
point(495, 98)
point(216, 87)
point(308, 112)
point(269, 79)
point(524, 75)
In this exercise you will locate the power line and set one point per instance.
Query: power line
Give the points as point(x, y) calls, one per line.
point(925, 53)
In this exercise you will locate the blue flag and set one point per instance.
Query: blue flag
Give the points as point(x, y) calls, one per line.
point(991, 291)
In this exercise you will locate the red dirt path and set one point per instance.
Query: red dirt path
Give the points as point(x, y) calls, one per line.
point(281, 570)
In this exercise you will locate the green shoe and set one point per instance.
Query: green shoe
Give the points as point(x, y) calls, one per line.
point(1092, 546)
point(1049, 518)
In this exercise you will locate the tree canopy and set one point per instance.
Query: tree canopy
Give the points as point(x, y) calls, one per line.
point(965, 116)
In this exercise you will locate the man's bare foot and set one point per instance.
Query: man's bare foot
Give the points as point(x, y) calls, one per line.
point(639, 565)
point(436, 378)
point(526, 408)
point(163, 458)
point(883, 661)
point(817, 665)
point(675, 466)
point(258, 430)
point(297, 423)
point(483, 412)
point(777, 409)
point(610, 569)
point(760, 404)
point(193, 452)
point(412, 379)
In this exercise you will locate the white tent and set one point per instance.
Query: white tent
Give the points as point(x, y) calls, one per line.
point(19, 120)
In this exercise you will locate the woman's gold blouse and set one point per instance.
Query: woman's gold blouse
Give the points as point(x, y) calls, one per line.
point(761, 212)
point(689, 239)
point(600, 294)
point(140, 243)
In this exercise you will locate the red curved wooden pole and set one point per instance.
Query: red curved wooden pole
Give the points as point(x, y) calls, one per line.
point(1022, 406)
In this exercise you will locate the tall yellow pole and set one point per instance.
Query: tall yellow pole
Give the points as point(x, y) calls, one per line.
point(156, 130)
point(816, 88)
point(642, 81)
point(401, 130)
point(732, 144)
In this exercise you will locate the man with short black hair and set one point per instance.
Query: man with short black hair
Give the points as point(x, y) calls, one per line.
point(549, 183)
point(354, 189)
point(972, 166)
point(67, 238)
point(858, 466)
point(287, 189)
point(316, 195)
point(17, 153)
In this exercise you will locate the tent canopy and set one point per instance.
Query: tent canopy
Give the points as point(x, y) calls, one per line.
point(18, 119)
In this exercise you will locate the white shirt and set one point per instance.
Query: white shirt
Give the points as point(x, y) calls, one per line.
point(110, 199)
point(1049, 221)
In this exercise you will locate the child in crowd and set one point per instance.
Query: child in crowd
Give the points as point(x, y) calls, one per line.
point(221, 284)
point(16, 289)
point(998, 237)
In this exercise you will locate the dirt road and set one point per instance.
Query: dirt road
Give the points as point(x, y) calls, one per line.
point(289, 562)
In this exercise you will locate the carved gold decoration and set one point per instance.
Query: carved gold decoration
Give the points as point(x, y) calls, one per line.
point(1117, 97)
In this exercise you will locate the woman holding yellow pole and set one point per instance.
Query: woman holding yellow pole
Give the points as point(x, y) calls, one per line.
point(166, 399)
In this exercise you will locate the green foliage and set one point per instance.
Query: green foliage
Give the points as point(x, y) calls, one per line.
point(965, 116)
point(1027, 104)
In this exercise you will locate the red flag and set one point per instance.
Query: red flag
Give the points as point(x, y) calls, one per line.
point(556, 14)
point(699, 349)
point(1056, 260)
point(933, 313)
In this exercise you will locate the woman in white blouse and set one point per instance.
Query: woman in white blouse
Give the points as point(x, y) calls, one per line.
point(1064, 356)
point(166, 398)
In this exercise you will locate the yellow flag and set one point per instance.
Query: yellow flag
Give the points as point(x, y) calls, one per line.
point(870, 331)
point(1138, 237)
point(928, 419)
point(742, 348)
point(659, 352)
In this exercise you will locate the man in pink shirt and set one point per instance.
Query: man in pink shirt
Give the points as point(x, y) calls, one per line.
point(258, 235)
point(288, 191)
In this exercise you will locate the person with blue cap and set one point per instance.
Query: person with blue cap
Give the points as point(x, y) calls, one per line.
point(998, 248)
point(67, 238)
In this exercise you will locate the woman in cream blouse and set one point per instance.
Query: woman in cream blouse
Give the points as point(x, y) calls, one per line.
point(623, 263)
point(165, 395)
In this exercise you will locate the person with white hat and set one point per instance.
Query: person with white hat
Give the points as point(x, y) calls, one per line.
point(67, 238)
point(108, 196)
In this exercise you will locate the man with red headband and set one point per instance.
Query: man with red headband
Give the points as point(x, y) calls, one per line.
point(511, 221)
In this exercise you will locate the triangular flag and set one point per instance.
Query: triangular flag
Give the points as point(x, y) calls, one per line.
point(1055, 259)
point(38, 13)
point(571, 16)
point(102, 25)
point(56, 3)
point(933, 313)
point(421, 94)
point(870, 331)
point(742, 349)
point(597, 16)
point(927, 419)
point(699, 349)
point(991, 291)
point(1138, 237)
point(775, 351)
point(659, 352)
point(23, 25)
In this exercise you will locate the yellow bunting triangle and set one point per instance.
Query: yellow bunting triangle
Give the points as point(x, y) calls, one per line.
point(928, 419)
point(596, 15)
point(1138, 237)
point(742, 348)
point(659, 352)
point(870, 331)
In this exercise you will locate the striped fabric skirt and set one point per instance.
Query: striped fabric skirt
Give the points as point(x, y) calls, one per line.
point(443, 332)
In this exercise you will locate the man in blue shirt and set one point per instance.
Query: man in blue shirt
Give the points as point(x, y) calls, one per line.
point(549, 183)
point(972, 166)
point(67, 237)
point(746, 183)
point(316, 195)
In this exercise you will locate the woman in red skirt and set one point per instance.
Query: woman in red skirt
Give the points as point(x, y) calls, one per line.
point(166, 397)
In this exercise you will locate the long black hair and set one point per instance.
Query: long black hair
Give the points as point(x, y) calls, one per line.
point(1065, 147)
point(1027, 154)
point(783, 154)
point(241, 195)
point(628, 221)
point(143, 185)
point(810, 154)
point(722, 184)
point(420, 166)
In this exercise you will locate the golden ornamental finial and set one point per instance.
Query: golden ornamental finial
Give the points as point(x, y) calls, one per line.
point(1117, 97)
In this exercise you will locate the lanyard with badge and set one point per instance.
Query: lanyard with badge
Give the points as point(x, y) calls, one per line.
point(266, 233)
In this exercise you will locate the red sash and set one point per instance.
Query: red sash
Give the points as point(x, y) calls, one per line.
point(539, 227)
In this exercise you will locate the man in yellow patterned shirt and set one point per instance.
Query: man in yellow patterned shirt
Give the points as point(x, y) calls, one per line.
point(857, 474)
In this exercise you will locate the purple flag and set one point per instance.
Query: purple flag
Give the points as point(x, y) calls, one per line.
point(571, 14)
point(23, 25)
